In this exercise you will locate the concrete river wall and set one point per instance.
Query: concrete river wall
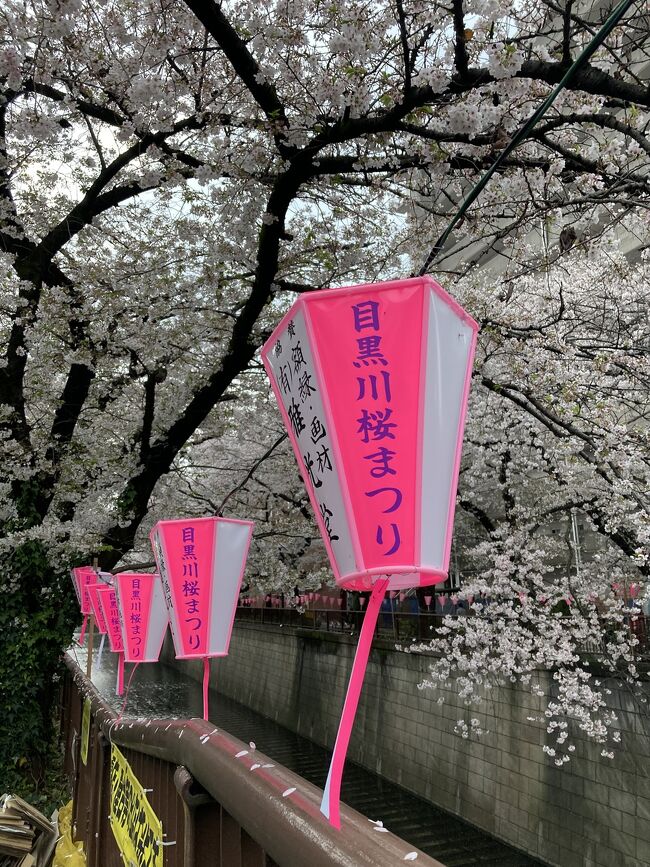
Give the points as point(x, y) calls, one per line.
point(592, 812)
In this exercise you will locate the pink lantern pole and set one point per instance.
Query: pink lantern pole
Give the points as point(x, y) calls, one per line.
point(372, 382)
point(201, 563)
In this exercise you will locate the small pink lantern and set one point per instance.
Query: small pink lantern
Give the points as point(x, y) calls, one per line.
point(427, 600)
point(82, 576)
point(96, 606)
point(201, 563)
point(143, 617)
point(108, 597)
point(111, 612)
point(372, 383)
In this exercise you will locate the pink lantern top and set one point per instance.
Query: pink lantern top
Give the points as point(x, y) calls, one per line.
point(143, 615)
point(372, 382)
point(201, 563)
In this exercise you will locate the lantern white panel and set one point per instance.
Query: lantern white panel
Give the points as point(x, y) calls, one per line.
point(449, 350)
point(298, 388)
point(158, 620)
point(231, 547)
point(157, 543)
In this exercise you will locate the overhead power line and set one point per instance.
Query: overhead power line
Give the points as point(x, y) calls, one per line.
point(611, 22)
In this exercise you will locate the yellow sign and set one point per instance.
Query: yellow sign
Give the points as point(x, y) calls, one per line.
point(136, 828)
point(85, 731)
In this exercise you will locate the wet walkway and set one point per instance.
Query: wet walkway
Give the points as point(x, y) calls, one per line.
point(159, 691)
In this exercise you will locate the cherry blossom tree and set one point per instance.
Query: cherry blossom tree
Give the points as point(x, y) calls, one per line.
point(173, 173)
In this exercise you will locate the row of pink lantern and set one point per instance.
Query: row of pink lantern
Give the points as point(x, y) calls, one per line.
point(200, 563)
point(372, 384)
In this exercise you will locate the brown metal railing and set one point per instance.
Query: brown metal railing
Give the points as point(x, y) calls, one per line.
point(397, 625)
point(216, 810)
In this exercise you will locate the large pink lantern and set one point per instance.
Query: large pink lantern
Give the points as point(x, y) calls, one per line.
point(201, 563)
point(372, 382)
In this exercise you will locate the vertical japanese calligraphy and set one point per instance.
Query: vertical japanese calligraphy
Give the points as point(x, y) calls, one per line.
point(191, 589)
point(290, 363)
point(378, 424)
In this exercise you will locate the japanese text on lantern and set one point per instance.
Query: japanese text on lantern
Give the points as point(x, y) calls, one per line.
point(376, 425)
point(191, 588)
point(113, 619)
point(135, 619)
point(297, 385)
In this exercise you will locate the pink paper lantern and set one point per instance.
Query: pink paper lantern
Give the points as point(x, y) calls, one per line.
point(377, 425)
point(82, 576)
point(201, 563)
point(372, 382)
point(102, 581)
point(143, 615)
point(111, 612)
point(362, 601)
point(110, 609)
point(427, 600)
point(96, 605)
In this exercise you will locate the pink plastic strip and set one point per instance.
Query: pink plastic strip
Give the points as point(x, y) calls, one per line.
point(82, 634)
point(330, 805)
point(120, 673)
point(206, 685)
